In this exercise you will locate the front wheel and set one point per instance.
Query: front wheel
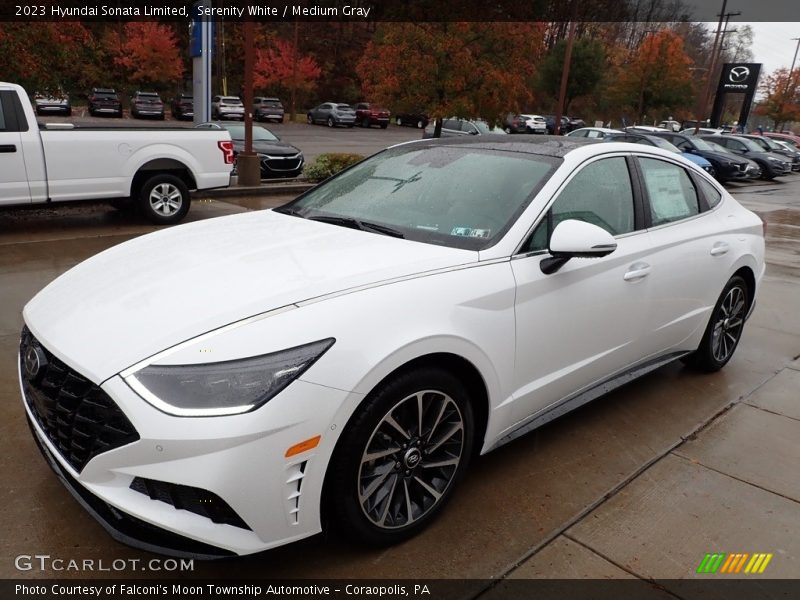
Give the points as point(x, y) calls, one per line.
point(420, 124)
point(401, 456)
point(164, 199)
point(724, 329)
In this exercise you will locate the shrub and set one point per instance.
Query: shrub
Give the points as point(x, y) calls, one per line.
point(329, 164)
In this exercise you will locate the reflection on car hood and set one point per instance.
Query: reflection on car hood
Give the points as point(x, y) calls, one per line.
point(266, 147)
point(148, 294)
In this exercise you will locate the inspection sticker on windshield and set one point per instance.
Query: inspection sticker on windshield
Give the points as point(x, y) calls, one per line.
point(470, 232)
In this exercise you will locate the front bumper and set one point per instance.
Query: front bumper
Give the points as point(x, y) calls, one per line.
point(280, 166)
point(239, 459)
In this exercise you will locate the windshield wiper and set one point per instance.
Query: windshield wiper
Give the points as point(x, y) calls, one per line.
point(288, 210)
point(358, 224)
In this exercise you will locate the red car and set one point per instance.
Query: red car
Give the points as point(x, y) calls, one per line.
point(368, 115)
point(784, 137)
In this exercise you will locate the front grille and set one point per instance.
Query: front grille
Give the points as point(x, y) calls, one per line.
point(289, 163)
point(196, 500)
point(78, 418)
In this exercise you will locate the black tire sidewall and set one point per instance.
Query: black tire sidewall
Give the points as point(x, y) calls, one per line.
point(703, 358)
point(147, 211)
point(342, 476)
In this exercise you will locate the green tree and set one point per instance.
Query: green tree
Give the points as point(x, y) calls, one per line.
point(585, 74)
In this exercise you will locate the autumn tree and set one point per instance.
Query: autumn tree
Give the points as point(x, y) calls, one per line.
point(447, 69)
point(281, 67)
point(781, 97)
point(586, 70)
point(656, 76)
point(148, 53)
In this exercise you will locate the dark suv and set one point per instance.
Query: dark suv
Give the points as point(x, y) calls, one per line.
point(147, 104)
point(104, 101)
point(267, 109)
point(183, 107)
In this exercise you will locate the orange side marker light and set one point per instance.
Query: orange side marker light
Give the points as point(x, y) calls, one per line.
point(308, 444)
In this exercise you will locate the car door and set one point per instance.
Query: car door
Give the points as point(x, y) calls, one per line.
point(688, 248)
point(578, 326)
point(14, 188)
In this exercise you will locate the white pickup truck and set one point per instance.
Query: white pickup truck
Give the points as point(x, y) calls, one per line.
point(154, 168)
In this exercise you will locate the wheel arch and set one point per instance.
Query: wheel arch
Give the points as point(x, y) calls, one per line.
point(169, 166)
point(455, 364)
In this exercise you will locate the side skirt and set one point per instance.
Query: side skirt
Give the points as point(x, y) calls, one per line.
point(593, 392)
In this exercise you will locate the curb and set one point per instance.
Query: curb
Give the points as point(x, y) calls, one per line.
point(265, 189)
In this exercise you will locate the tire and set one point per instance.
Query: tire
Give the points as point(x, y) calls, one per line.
point(309, 119)
point(399, 121)
point(420, 124)
point(411, 492)
point(724, 329)
point(507, 130)
point(330, 122)
point(163, 199)
point(365, 123)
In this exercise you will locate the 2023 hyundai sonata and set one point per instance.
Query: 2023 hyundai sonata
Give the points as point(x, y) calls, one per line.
point(221, 387)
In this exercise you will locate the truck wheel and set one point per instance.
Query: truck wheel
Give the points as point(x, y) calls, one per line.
point(164, 199)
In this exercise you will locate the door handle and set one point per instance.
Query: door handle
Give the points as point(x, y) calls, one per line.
point(637, 271)
point(719, 248)
point(8, 148)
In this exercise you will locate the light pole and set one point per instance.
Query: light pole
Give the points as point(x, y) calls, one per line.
point(789, 78)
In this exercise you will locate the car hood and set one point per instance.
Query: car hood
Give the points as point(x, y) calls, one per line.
point(148, 294)
point(267, 147)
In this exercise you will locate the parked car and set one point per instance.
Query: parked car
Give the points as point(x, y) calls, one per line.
point(786, 137)
point(268, 109)
point(670, 125)
point(702, 131)
point(104, 101)
point(368, 115)
point(651, 140)
point(332, 114)
point(299, 352)
point(227, 107)
point(183, 107)
point(752, 170)
point(515, 123)
point(787, 145)
point(550, 122)
point(277, 158)
point(792, 156)
point(147, 104)
point(727, 166)
point(772, 165)
point(454, 127)
point(412, 119)
point(646, 129)
point(150, 170)
point(535, 123)
point(52, 102)
point(574, 123)
point(593, 132)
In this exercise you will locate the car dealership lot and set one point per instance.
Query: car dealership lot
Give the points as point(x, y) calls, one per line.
point(610, 490)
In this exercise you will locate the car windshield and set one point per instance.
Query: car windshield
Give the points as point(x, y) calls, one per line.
point(701, 144)
point(259, 133)
point(662, 143)
point(771, 144)
point(456, 196)
point(716, 147)
point(751, 145)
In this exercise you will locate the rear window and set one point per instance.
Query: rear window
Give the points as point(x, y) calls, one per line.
point(234, 101)
point(344, 107)
point(107, 95)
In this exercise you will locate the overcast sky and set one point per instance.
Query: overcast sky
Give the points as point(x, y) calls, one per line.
point(773, 45)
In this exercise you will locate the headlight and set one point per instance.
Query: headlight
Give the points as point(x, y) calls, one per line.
point(773, 159)
point(223, 388)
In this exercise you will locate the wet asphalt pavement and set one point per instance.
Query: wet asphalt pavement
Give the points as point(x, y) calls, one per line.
point(641, 483)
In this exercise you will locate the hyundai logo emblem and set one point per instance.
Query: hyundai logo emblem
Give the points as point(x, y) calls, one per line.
point(739, 74)
point(33, 362)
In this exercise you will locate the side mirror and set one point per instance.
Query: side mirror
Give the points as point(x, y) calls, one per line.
point(576, 239)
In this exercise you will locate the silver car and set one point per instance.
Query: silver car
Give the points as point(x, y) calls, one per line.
point(227, 107)
point(332, 114)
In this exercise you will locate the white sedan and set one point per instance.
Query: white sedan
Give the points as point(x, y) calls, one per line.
point(227, 386)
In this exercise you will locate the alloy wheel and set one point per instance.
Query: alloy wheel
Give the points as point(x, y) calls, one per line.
point(165, 199)
point(729, 324)
point(411, 459)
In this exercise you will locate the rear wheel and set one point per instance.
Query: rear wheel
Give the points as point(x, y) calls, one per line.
point(330, 121)
point(399, 121)
point(724, 329)
point(420, 124)
point(401, 456)
point(164, 199)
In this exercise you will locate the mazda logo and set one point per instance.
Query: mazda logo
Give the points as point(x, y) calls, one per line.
point(739, 74)
point(33, 362)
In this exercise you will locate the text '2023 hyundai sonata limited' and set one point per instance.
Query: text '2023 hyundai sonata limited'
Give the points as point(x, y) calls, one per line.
point(340, 359)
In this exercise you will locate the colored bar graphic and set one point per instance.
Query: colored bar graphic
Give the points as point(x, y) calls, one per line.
point(722, 563)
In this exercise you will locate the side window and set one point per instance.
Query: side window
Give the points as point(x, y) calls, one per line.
point(712, 195)
point(583, 133)
point(2, 119)
point(467, 127)
point(12, 117)
point(670, 190)
point(600, 194)
point(451, 124)
point(683, 144)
